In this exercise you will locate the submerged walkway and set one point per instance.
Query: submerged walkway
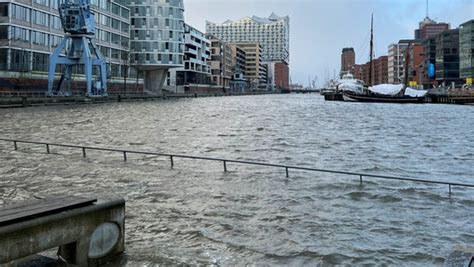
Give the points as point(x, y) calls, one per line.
point(225, 162)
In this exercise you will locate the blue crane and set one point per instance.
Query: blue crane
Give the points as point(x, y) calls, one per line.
point(77, 48)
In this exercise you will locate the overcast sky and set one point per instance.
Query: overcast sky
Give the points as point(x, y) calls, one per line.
point(321, 28)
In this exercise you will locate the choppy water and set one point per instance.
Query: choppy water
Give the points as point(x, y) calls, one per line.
point(197, 214)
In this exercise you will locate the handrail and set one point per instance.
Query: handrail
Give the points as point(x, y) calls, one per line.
point(225, 161)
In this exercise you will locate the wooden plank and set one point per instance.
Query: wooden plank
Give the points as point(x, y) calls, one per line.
point(34, 209)
point(33, 204)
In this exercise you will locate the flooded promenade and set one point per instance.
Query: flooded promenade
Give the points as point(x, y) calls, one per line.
point(197, 214)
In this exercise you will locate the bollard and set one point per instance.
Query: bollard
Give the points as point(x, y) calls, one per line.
point(287, 173)
point(14, 144)
point(449, 190)
point(83, 152)
point(124, 156)
point(47, 148)
point(225, 165)
point(172, 162)
point(361, 179)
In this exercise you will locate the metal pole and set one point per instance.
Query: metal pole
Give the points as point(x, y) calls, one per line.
point(124, 156)
point(14, 144)
point(287, 174)
point(172, 162)
point(225, 165)
point(83, 152)
point(47, 148)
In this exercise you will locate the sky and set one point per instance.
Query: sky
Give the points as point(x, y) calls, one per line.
point(319, 29)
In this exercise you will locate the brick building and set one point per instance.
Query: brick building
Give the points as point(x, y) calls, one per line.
point(347, 60)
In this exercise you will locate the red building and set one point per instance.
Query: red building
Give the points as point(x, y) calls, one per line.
point(347, 59)
point(380, 70)
point(429, 28)
point(282, 76)
point(416, 54)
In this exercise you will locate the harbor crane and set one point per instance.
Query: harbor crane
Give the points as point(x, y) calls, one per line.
point(77, 48)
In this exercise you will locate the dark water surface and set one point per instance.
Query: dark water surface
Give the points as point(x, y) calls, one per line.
point(197, 214)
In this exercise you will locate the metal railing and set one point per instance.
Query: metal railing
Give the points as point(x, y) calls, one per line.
point(224, 162)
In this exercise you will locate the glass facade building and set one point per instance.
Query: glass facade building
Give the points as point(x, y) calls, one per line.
point(466, 49)
point(157, 39)
point(447, 57)
point(31, 30)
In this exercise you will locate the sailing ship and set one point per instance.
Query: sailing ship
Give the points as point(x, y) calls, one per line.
point(384, 93)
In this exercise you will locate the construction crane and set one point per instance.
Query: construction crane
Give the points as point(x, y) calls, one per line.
point(77, 48)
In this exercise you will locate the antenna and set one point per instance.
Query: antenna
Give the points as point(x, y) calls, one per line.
point(427, 9)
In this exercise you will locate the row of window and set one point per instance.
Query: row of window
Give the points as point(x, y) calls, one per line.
point(115, 24)
point(45, 19)
point(25, 61)
point(113, 38)
point(153, 58)
point(160, 35)
point(35, 37)
point(157, 47)
point(159, 23)
point(114, 8)
point(154, 11)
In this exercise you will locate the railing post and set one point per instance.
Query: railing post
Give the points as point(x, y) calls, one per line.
point(171, 161)
point(47, 148)
point(225, 165)
point(287, 173)
point(83, 152)
point(124, 156)
point(15, 145)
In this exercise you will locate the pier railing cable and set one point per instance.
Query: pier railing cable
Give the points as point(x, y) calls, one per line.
point(287, 168)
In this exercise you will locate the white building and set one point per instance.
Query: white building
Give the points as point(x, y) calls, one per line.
point(272, 33)
point(396, 61)
point(195, 70)
point(156, 39)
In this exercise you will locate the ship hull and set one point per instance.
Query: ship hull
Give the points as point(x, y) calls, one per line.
point(381, 98)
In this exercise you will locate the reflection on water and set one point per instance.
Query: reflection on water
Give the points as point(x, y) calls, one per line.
point(197, 214)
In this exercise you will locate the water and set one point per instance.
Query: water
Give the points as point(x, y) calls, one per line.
point(197, 214)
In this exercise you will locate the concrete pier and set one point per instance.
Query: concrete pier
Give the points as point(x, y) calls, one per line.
point(86, 235)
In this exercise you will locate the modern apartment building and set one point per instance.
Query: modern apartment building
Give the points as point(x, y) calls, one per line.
point(222, 63)
point(466, 49)
point(156, 39)
point(196, 69)
point(239, 56)
point(255, 70)
point(447, 57)
point(396, 61)
point(31, 30)
point(347, 60)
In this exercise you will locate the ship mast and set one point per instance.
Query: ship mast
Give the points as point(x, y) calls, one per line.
point(371, 49)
